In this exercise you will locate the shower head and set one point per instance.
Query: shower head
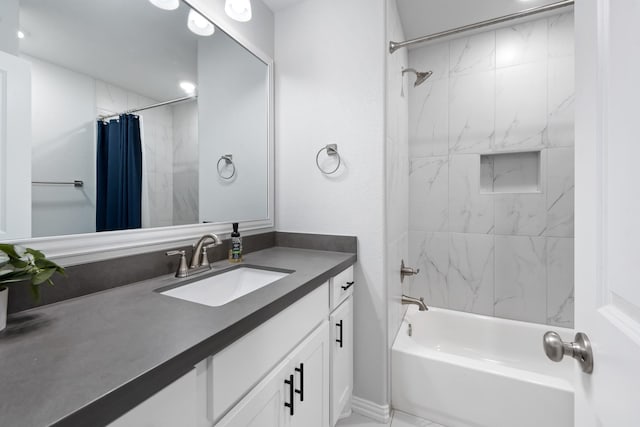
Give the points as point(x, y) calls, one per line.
point(421, 76)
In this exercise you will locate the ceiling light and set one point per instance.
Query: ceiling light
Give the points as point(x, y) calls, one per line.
point(199, 24)
point(166, 4)
point(20, 34)
point(188, 87)
point(240, 10)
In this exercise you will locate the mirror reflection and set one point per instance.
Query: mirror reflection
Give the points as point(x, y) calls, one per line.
point(140, 117)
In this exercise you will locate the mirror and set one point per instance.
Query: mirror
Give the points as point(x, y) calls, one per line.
point(199, 109)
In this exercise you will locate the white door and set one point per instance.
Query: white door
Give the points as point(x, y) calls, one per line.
point(607, 234)
point(15, 148)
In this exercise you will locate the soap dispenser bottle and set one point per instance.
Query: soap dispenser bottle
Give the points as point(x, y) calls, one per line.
point(235, 253)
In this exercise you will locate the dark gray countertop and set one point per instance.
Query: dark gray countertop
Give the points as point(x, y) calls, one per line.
point(88, 360)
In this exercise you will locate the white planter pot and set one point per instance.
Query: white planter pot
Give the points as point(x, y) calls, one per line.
point(4, 293)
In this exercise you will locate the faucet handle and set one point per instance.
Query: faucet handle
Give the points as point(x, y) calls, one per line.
point(182, 267)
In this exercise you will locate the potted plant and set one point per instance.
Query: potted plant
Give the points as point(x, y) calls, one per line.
point(19, 264)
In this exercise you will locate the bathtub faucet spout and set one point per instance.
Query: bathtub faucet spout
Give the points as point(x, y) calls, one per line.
point(417, 301)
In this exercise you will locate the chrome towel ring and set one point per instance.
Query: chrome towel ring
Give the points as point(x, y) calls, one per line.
point(332, 150)
point(228, 160)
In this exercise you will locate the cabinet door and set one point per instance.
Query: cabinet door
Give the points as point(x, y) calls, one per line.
point(341, 322)
point(310, 367)
point(264, 405)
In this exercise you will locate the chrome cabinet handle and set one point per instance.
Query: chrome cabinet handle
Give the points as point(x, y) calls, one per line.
point(556, 349)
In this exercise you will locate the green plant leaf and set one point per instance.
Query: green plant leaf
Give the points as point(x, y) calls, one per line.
point(18, 264)
point(35, 292)
point(4, 258)
point(36, 254)
point(9, 250)
point(43, 276)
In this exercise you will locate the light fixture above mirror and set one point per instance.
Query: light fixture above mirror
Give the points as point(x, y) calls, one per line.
point(240, 10)
point(166, 4)
point(188, 87)
point(199, 25)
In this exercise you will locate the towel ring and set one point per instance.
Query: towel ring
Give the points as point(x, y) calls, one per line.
point(228, 160)
point(332, 150)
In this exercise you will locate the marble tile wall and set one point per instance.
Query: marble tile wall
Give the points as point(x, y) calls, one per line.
point(157, 141)
point(506, 251)
point(185, 163)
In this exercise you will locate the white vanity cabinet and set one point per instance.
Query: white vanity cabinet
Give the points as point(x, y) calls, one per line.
point(174, 405)
point(234, 371)
point(294, 370)
point(341, 324)
point(294, 394)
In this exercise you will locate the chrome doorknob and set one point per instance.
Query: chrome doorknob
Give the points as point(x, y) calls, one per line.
point(556, 349)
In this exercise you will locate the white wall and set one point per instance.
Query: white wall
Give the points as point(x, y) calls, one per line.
point(258, 31)
point(330, 76)
point(503, 254)
point(397, 170)
point(9, 18)
point(232, 102)
point(63, 128)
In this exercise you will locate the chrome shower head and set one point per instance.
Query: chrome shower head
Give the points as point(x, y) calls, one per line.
point(421, 76)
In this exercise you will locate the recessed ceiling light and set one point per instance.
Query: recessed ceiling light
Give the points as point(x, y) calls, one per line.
point(199, 25)
point(240, 10)
point(20, 34)
point(166, 4)
point(188, 87)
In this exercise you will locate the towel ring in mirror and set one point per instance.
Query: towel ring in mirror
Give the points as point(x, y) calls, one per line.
point(332, 150)
point(228, 160)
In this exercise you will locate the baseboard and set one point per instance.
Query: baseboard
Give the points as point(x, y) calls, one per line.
point(379, 413)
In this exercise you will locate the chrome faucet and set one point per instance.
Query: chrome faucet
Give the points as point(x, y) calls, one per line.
point(411, 300)
point(199, 257)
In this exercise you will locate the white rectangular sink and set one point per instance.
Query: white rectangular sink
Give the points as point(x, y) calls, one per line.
point(223, 288)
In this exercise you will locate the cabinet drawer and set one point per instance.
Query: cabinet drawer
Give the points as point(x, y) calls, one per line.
point(239, 367)
point(341, 287)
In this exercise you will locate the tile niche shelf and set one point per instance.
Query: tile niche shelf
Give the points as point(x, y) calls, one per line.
point(510, 173)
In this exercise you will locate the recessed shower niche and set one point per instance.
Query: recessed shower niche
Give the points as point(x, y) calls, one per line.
point(510, 173)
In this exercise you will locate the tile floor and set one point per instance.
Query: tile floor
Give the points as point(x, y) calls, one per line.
point(398, 419)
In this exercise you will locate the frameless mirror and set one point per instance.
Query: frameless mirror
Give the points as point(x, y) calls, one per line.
point(196, 105)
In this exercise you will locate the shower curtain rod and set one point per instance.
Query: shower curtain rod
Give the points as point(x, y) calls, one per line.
point(148, 107)
point(393, 46)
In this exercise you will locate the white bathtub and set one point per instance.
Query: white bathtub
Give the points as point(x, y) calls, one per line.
point(467, 370)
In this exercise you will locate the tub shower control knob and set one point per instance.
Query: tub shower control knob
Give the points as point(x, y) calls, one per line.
point(556, 349)
point(407, 271)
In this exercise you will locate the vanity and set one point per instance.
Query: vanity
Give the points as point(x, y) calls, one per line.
point(130, 356)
